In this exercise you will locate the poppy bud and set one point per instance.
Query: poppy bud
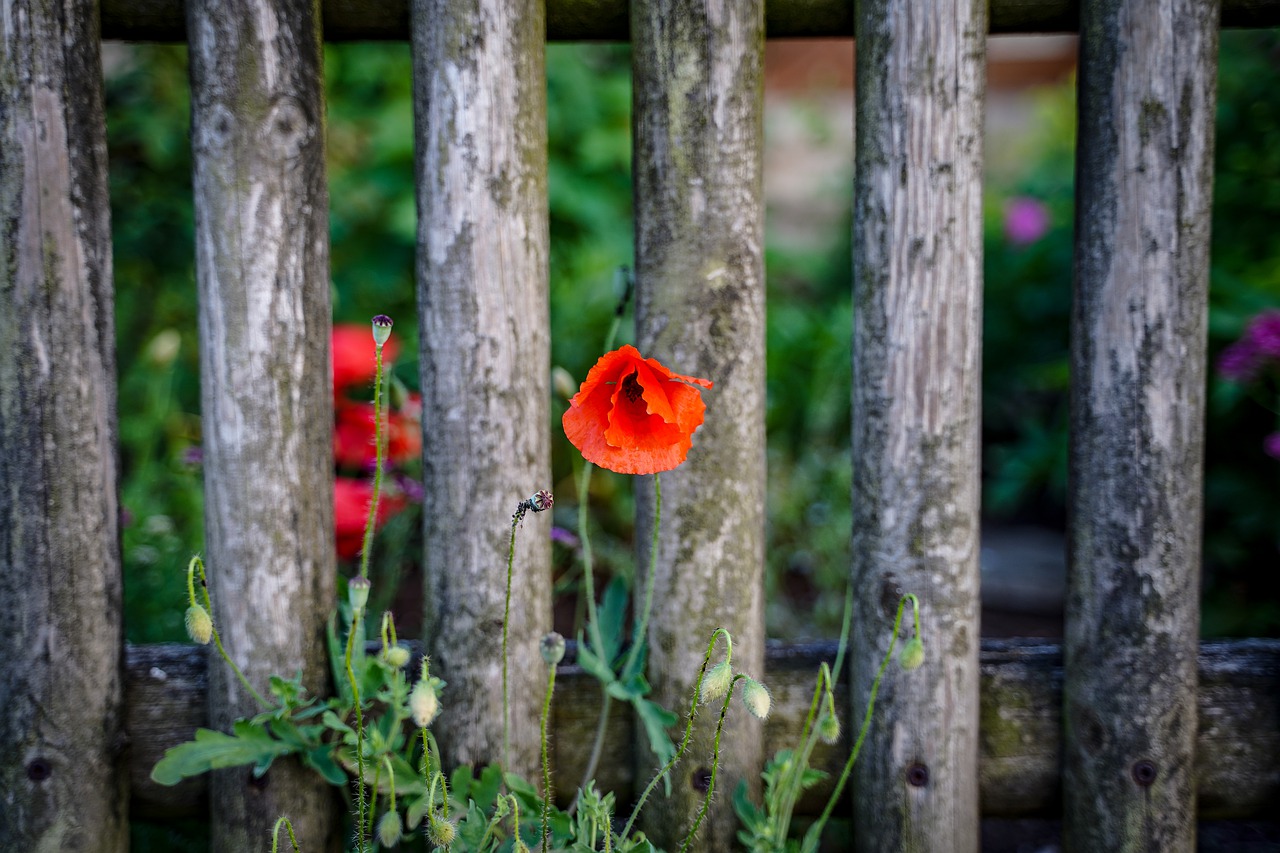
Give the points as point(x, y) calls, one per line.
point(199, 625)
point(390, 829)
point(562, 381)
point(756, 698)
point(424, 703)
point(552, 648)
point(912, 654)
point(358, 592)
point(716, 682)
point(395, 656)
point(541, 500)
point(440, 832)
point(381, 329)
point(829, 728)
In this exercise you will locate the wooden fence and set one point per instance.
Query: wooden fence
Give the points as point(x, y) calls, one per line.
point(1128, 732)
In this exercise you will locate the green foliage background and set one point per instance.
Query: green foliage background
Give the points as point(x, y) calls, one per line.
point(370, 151)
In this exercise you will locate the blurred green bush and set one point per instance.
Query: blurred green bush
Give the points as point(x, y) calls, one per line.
point(370, 151)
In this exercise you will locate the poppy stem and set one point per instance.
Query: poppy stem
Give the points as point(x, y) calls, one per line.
point(640, 634)
point(366, 547)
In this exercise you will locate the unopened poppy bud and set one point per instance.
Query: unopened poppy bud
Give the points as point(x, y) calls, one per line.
point(562, 382)
point(541, 501)
point(396, 656)
point(381, 329)
point(440, 832)
point(716, 682)
point(912, 654)
point(424, 704)
point(358, 592)
point(552, 648)
point(756, 698)
point(199, 625)
point(390, 829)
point(829, 728)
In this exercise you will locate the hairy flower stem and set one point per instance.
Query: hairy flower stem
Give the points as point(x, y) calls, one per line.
point(715, 764)
point(546, 760)
point(639, 635)
point(688, 729)
point(815, 831)
point(361, 806)
point(275, 835)
point(195, 565)
point(367, 545)
point(516, 518)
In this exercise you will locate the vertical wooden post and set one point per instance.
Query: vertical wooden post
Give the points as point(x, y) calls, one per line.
point(262, 263)
point(480, 101)
point(916, 366)
point(1144, 187)
point(62, 784)
point(698, 131)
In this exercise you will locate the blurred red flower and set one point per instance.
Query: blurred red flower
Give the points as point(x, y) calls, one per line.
point(633, 415)
point(351, 510)
point(353, 435)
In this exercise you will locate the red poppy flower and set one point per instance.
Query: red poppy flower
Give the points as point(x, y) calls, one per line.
point(353, 355)
point(634, 416)
point(353, 434)
point(351, 512)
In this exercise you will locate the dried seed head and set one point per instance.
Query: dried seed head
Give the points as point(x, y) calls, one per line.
point(358, 592)
point(552, 648)
point(381, 329)
point(912, 654)
point(541, 501)
point(199, 625)
point(716, 682)
point(756, 698)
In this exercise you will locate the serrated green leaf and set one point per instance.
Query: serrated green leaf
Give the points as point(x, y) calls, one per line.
point(212, 750)
point(657, 720)
point(321, 760)
point(612, 613)
point(594, 664)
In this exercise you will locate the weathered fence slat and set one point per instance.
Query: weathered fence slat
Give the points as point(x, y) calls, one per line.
point(916, 363)
point(62, 786)
point(1237, 764)
point(1144, 190)
point(576, 20)
point(262, 266)
point(698, 138)
point(484, 358)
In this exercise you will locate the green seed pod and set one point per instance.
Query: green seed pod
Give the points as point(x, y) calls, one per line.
point(358, 592)
point(912, 654)
point(552, 648)
point(381, 329)
point(199, 625)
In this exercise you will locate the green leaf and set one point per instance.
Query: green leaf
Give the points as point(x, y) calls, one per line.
point(321, 760)
point(212, 750)
point(657, 720)
point(593, 664)
point(612, 614)
point(471, 828)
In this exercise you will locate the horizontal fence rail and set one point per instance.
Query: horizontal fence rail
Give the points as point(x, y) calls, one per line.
point(1237, 767)
point(572, 20)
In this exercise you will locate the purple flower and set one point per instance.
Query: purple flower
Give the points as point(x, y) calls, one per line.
point(564, 537)
point(193, 455)
point(1025, 220)
point(1264, 332)
point(1271, 444)
point(1239, 361)
point(410, 487)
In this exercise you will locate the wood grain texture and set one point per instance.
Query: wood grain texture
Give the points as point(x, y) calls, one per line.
point(917, 290)
point(62, 782)
point(697, 138)
point(579, 20)
point(482, 278)
point(262, 266)
point(1144, 191)
point(1237, 756)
